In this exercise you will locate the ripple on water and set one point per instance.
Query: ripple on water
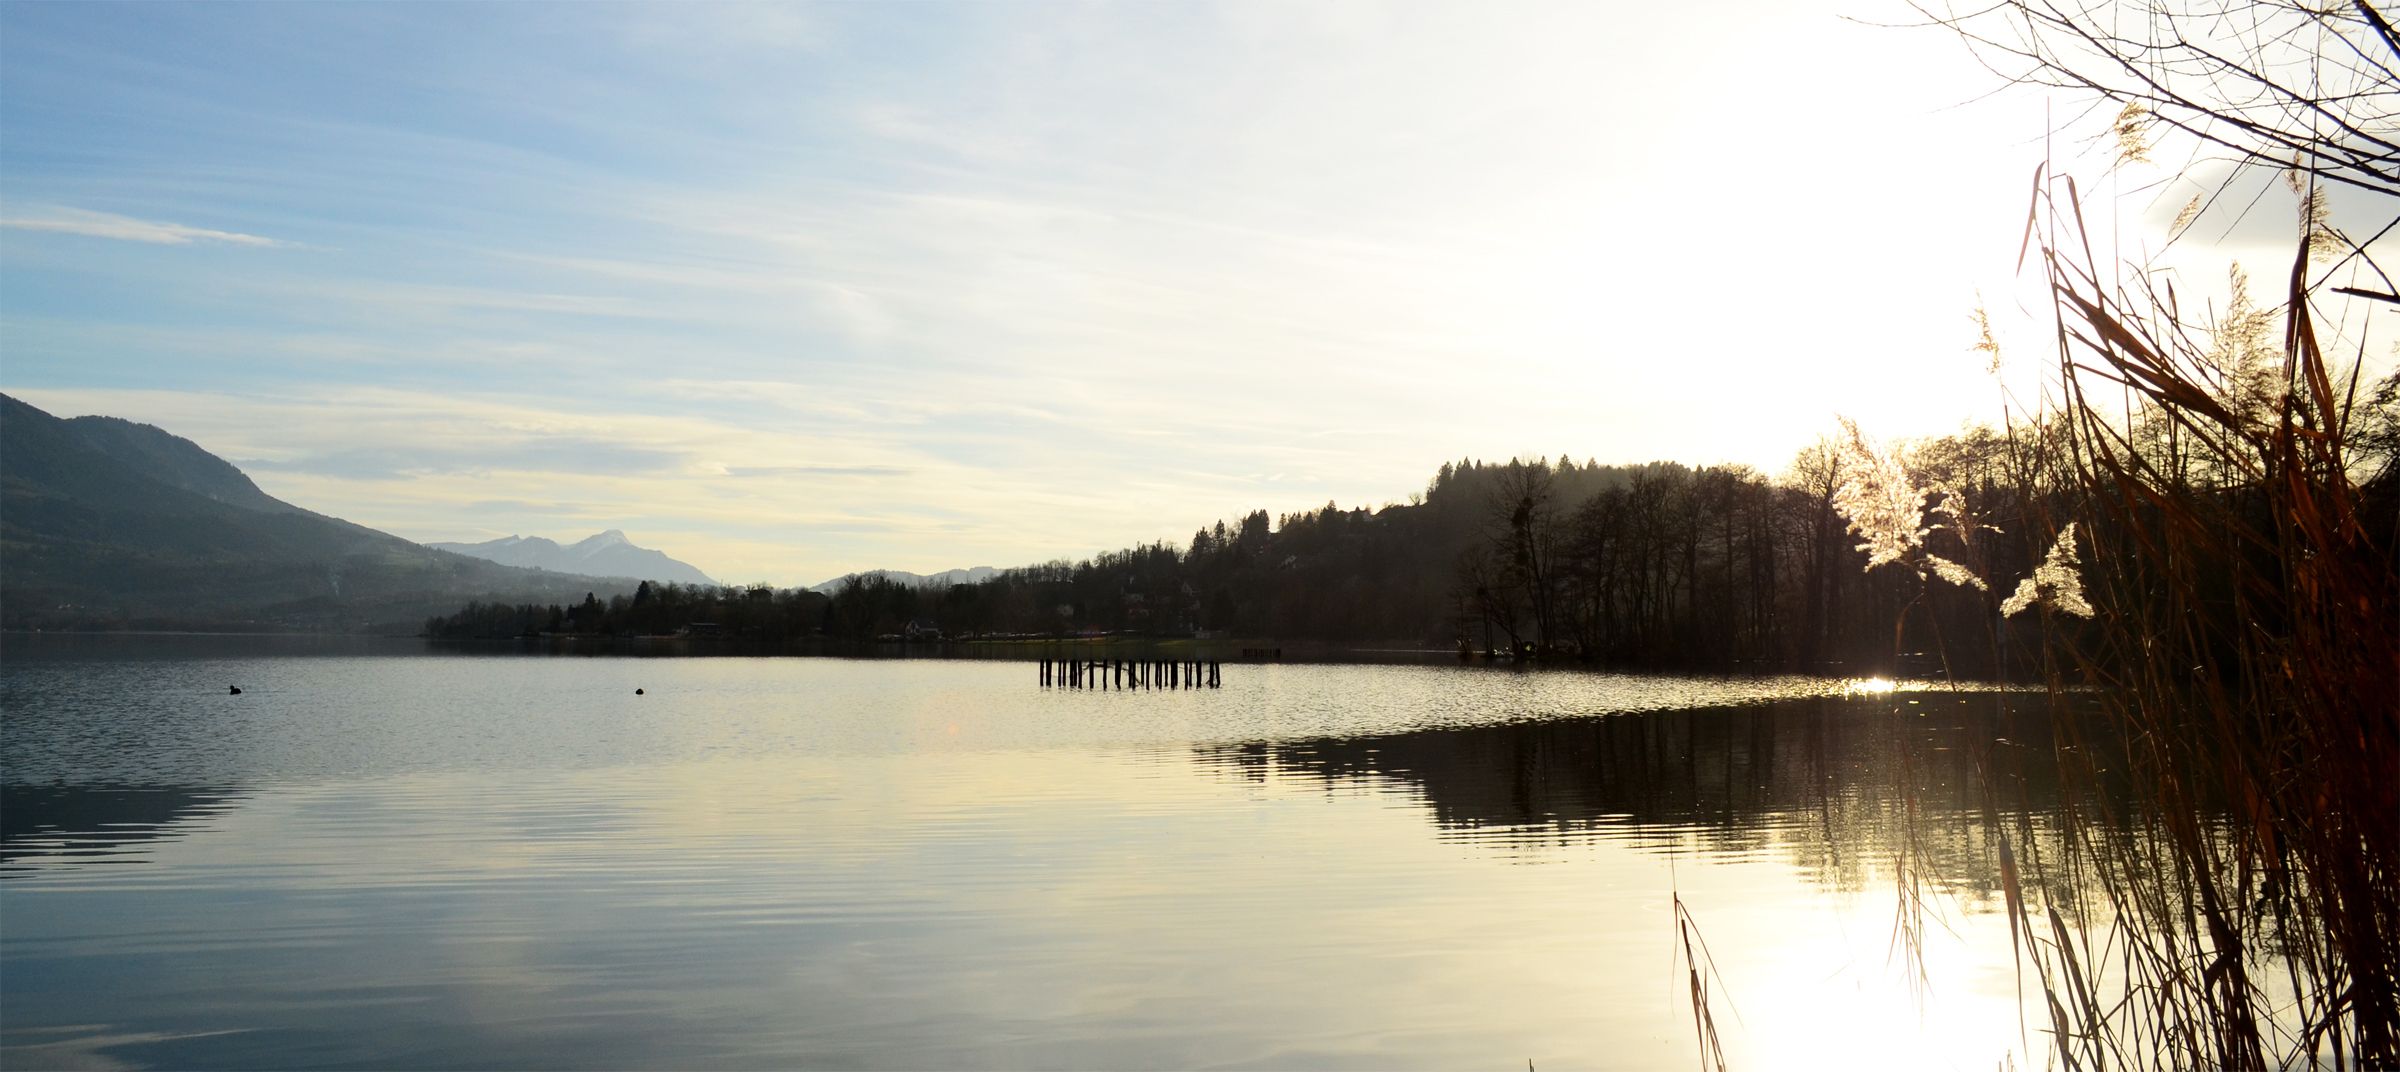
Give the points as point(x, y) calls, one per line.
point(468, 861)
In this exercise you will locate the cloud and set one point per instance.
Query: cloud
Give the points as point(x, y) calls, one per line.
point(554, 455)
point(815, 470)
point(488, 299)
point(77, 221)
point(528, 506)
point(1010, 265)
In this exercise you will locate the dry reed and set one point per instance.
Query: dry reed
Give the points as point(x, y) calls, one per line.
point(2246, 911)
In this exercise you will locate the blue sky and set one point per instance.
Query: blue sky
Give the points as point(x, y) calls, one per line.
point(794, 290)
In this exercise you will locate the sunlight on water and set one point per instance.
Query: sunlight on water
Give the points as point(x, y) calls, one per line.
point(480, 861)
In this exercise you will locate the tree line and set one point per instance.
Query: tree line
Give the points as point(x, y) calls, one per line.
point(756, 612)
point(1652, 565)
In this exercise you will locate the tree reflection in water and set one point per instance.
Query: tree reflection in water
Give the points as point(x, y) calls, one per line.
point(1823, 783)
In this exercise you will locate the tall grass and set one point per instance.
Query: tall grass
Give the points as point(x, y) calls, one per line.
point(2246, 911)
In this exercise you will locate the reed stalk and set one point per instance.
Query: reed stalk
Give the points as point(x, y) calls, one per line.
point(2246, 912)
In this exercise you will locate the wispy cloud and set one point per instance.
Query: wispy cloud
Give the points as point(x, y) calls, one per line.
point(814, 470)
point(552, 455)
point(529, 507)
point(648, 270)
point(78, 221)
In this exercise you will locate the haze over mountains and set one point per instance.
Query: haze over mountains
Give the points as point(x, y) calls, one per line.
point(971, 575)
point(105, 523)
point(608, 554)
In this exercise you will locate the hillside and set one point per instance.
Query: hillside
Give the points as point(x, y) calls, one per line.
point(106, 523)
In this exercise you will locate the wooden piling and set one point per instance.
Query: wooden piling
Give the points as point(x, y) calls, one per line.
point(1120, 674)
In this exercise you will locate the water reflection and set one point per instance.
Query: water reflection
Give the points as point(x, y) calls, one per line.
point(1824, 783)
point(469, 862)
point(50, 826)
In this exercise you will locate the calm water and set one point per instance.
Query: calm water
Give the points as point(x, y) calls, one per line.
point(382, 856)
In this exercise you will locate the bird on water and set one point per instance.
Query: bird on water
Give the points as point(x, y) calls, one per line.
point(233, 690)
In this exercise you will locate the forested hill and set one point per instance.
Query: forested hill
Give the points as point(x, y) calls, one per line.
point(1658, 564)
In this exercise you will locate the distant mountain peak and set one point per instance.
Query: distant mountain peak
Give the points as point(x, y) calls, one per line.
point(608, 553)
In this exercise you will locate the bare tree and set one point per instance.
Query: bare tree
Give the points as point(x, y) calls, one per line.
point(1525, 528)
point(2278, 83)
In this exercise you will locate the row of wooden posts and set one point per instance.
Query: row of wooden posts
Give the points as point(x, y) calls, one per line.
point(1131, 673)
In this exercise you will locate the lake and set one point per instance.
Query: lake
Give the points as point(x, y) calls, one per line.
point(384, 855)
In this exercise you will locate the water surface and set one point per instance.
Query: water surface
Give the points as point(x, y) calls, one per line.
point(383, 856)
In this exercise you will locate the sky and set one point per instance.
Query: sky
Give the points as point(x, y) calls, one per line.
point(789, 291)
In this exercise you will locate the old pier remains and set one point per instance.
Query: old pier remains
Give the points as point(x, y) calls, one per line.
point(1086, 673)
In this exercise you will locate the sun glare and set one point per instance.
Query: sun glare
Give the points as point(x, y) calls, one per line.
point(1869, 686)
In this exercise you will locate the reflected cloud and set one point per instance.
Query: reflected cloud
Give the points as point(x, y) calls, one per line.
point(799, 862)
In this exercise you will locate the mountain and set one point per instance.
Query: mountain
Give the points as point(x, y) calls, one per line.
point(975, 575)
point(174, 460)
point(109, 523)
point(608, 554)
